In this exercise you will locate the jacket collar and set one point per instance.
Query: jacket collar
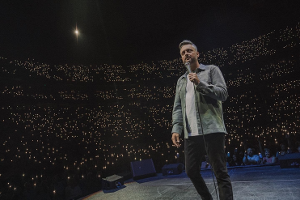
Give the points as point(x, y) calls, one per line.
point(199, 69)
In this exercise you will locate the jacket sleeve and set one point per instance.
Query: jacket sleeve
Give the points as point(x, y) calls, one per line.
point(217, 89)
point(177, 119)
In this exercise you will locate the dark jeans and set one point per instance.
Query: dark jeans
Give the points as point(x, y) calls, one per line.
point(194, 152)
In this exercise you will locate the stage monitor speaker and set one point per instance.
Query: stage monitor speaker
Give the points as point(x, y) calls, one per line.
point(112, 182)
point(289, 160)
point(172, 169)
point(142, 169)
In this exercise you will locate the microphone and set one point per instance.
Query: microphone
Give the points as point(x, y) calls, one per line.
point(188, 66)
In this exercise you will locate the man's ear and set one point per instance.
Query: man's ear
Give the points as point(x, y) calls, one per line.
point(198, 54)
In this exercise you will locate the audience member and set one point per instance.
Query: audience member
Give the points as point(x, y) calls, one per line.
point(250, 158)
point(283, 150)
point(234, 161)
point(268, 159)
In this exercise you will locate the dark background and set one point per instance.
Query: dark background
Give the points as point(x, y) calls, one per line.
point(128, 32)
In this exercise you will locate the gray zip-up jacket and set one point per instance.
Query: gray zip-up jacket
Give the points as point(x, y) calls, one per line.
point(210, 93)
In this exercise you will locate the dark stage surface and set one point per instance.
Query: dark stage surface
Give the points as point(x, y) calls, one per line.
point(249, 183)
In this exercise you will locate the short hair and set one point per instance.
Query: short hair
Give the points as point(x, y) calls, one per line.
point(184, 42)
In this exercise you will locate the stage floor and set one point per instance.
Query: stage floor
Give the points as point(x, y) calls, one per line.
point(249, 183)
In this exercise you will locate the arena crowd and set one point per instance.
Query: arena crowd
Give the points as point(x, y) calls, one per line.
point(64, 127)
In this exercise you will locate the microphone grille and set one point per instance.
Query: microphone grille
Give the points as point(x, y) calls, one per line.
point(187, 63)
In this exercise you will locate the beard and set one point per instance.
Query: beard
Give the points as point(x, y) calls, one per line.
point(193, 60)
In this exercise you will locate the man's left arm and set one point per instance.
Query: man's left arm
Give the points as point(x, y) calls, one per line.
point(217, 89)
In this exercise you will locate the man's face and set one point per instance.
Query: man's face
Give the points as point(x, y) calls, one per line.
point(189, 54)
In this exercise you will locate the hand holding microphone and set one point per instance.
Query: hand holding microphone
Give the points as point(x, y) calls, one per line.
point(188, 66)
point(192, 76)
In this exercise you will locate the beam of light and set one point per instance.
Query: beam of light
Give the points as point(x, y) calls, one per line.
point(76, 33)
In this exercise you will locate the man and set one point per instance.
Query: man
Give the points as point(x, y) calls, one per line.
point(250, 158)
point(197, 112)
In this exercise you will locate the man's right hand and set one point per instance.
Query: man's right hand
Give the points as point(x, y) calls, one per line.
point(175, 139)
